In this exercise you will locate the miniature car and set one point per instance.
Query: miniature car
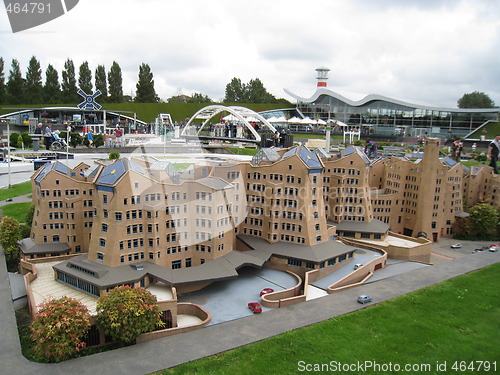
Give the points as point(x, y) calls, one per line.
point(456, 246)
point(364, 299)
point(8, 200)
point(255, 307)
point(493, 249)
point(357, 265)
point(266, 291)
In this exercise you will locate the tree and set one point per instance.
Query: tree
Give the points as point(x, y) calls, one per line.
point(483, 218)
point(257, 93)
point(52, 89)
point(98, 140)
point(15, 84)
point(28, 142)
point(199, 98)
point(85, 78)
point(68, 85)
point(3, 91)
point(145, 86)
point(125, 313)
point(235, 91)
point(75, 139)
point(33, 85)
point(59, 327)
point(100, 83)
point(9, 235)
point(115, 83)
point(475, 99)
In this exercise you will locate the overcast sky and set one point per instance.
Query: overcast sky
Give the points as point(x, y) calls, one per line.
point(431, 51)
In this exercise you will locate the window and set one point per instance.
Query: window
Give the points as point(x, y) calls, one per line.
point(176, 264)
point(294, 262)
point(55, 238)
point(188, 262)
point(105, 199)
point(118, 216)
point(102, 242)
point(100, 257)
point(104, 228)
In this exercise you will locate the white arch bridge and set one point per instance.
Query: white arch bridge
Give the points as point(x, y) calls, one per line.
point(241, 115)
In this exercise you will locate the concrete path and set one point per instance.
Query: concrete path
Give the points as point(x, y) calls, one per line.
point(172, 351)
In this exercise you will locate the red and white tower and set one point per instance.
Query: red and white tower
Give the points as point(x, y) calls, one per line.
point(322, 76)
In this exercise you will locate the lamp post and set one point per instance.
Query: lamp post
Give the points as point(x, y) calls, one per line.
point(7, 120)
point(68, 129)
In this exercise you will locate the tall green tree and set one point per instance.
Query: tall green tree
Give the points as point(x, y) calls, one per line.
point(33, 85)
point(3, 91)
point(484, 218)
point(9, 235)
point(68, 84)
point(85, 78)
point(101, 83)
point(15, 84)
point(235, 91)
point(115, 82)
point(52, 89)
point(257, 93)
point(145, 86)
point(475, 99)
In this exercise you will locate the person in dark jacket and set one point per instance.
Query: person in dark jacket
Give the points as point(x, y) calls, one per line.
point(493, 151)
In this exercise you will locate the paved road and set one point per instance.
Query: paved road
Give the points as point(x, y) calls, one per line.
point(172, 351)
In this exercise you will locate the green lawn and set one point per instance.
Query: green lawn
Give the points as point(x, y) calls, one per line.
point(457, 320)
point(148, 111)
point(15, 190)
point(490, 130)
point(470, 163)
point(16, 210)
point(244, 151)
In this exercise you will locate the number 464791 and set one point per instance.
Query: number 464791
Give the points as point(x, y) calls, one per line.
point(26, 8)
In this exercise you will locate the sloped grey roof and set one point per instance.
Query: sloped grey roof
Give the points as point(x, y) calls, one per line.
point(46, 168)
point(354, 150)
point(265, 154)
point(215, 183)
point(29, 247)
point(320, 152)
point(317, 253)
point(374, 226)
point(222, 268)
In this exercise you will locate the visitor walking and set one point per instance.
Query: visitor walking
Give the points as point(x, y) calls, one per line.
point(371, 149)
point(456, 149)
point(90, 138)
point(48, 136)
point(493, 151)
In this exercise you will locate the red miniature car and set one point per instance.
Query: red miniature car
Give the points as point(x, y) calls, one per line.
point(255, 307)
point(266, 291)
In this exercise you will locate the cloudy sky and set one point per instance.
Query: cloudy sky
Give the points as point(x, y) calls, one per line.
point(431, 51)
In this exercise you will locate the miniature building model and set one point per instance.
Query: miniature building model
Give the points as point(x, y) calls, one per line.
point(138, 222)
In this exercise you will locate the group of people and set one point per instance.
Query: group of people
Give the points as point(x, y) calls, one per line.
point(49, 136)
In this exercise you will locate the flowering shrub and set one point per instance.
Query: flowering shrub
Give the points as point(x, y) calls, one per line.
point(125, 313)
point(59, 327)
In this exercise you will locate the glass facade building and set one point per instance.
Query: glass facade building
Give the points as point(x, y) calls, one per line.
point(379, 115)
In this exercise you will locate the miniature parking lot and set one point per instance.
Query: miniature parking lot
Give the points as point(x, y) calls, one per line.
point(228, 300)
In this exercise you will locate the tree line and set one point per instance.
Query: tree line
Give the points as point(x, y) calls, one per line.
point(62, 87)
point(31, 89)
